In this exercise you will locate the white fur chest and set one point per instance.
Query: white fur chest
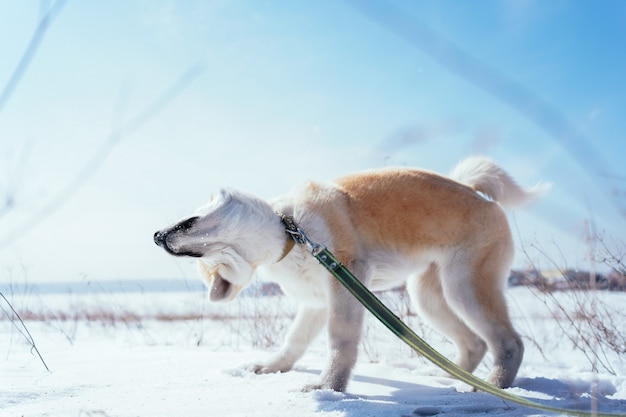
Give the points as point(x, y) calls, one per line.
point(300, 276)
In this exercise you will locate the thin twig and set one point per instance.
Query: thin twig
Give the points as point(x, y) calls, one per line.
point(30, 51)
point(25, 332)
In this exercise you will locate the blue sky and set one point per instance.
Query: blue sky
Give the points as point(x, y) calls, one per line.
point(279, 92)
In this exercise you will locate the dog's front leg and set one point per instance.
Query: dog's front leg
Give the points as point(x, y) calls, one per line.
point(305, 327)
point(345, 320)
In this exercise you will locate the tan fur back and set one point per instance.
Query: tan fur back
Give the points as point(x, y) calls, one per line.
point(410, 208)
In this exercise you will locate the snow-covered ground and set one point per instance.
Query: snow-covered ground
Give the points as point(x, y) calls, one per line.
point(173, 354)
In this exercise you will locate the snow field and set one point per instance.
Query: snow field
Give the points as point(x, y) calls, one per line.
point(174, 354)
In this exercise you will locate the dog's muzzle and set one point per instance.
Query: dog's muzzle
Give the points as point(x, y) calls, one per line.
point(159, 239)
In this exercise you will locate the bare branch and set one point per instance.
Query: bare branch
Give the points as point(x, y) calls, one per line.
point(101, 154)
point(30, 52)
point(23, 329)
point(520, 98)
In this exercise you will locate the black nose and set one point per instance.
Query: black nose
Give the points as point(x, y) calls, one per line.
point(159, 238)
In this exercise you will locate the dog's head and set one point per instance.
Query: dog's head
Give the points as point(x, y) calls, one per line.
point(229, 236)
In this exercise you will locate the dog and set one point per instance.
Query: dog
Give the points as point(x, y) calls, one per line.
point(446, 238)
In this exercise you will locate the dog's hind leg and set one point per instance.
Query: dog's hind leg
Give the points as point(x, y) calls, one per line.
point(475, 291)
point(426, 292)
point(305, 327)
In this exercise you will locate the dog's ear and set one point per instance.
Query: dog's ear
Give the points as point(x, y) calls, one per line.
point(220, 289)
point(225, 195)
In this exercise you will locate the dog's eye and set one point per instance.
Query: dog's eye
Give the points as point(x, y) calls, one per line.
point(186, 224)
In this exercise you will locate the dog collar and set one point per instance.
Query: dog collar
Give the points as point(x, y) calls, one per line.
point(288, 247)
point(291, 240)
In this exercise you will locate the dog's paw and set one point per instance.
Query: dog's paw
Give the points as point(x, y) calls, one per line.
point(312, 387)
point(323, 387)
point(265, 369)
point(257, 368)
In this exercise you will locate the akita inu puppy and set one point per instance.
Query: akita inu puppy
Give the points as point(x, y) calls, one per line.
point(447, 238)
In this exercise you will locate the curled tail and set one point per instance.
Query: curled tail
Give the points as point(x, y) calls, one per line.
point(484, 176)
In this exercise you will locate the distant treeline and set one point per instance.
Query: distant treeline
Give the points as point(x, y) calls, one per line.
point(569, 279)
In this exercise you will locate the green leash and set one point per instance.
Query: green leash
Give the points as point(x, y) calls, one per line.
point(408, 336)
